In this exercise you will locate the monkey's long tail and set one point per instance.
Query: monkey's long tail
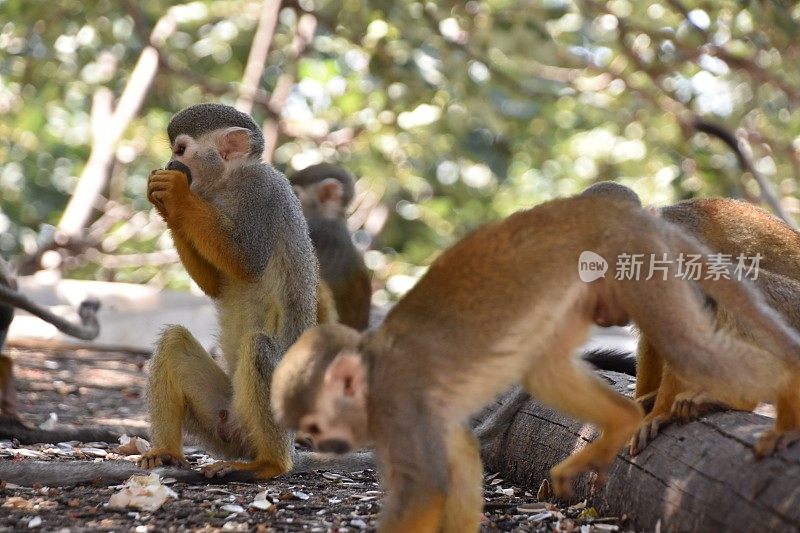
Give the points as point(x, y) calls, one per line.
point(612, 359)
point(741, 297)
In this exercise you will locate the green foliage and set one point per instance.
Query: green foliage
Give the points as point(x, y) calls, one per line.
point(451, 116)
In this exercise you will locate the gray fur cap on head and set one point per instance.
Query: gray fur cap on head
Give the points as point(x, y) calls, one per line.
point(316, 173)
point(199, 119)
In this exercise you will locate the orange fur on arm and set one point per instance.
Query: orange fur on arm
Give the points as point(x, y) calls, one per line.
point(202, 226)
point(202, 272)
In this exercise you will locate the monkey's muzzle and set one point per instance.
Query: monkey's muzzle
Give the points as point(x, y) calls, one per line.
point(180, 167)
point(337, 446)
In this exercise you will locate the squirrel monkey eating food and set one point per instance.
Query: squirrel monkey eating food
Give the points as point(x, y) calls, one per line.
point(504, 305)
point(241, 235)
point(731, 228)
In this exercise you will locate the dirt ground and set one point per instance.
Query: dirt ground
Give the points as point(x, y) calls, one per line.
point(87, 388)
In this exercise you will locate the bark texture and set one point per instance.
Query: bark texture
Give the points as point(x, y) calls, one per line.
point(697, 477)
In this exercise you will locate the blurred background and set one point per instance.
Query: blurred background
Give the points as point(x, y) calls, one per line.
point(450, 114)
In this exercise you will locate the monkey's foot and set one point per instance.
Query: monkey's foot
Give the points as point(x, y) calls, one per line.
point(162, 457)
point(648, 430)
point(689, 406)
point(259, 469)
point(592, 458)
point(563, 476)
point(773, 440)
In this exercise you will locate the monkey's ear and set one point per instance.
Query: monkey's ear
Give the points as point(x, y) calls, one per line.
point(234, 142)
point(329, 191)
point(299, 192)
point(346, 375)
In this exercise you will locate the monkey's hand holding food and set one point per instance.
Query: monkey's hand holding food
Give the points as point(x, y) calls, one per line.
point(168, 190)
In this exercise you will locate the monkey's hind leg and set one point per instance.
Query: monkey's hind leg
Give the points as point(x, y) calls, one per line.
point(649, 369)
point(661, 413)
point(186, 387)
point(269, 445)
point(575, 391)
point(464, 502)
point(787, 422)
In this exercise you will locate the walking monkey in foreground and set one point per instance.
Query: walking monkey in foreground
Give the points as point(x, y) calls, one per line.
point(729, 227)
point(506, 305)
point(240, 233)
point(325, 191)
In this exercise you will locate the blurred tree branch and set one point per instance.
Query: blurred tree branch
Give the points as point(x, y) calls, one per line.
point(304, 34)
point(108, 123)
point(259, 51)
point(688, 119)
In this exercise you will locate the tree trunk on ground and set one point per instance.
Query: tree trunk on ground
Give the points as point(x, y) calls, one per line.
point(71, 473)
point(696, 477)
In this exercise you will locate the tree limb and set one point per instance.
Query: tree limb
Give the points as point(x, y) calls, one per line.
point(259, 51)
point(88, 330)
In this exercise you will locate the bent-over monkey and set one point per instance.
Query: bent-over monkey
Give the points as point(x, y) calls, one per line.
point(732, 228)
point(506, 305)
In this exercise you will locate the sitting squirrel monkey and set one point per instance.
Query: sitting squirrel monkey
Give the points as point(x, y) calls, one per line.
point(240, 233)
point(325, 191)
point(505, 305)
point(734, 228)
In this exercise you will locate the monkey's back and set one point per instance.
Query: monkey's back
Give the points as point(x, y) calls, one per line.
point(735, 227)
point(271, 234)
point(519, 267)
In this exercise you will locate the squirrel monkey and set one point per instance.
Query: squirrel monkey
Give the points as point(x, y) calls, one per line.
point(325, 191)
point(241, 235)
point(730, 227)
point(506, 305)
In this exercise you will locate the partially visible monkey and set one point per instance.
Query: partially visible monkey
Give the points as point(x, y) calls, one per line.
point(241, 235)
point(10, 422)
point(730, 227)
point(325, 191)
point(506, 305)
point(9, 406)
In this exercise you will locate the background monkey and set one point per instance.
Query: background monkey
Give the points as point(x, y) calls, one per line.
point(325, 191)
point(729, 227)
point(240, 233)
point(505, 305)
point(9, 299)
point(9, 406)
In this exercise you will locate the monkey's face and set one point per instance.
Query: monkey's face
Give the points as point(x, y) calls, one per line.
point(210, 156)
point(324, 198)
point(338, 422)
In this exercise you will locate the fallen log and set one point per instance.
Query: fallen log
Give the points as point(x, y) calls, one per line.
point(27, 435)
point(697, 477)
point(27, 473)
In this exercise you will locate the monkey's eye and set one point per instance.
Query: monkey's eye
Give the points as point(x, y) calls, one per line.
point(180, 149)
